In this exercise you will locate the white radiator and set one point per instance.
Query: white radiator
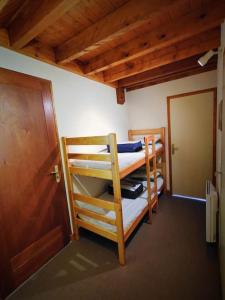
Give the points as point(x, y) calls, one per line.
point(211, 212)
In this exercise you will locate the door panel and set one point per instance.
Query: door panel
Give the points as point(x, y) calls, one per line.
point(33, 204)
point(222, 194)
point(192, 150)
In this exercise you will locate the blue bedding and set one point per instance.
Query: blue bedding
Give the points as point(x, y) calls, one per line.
point(128, 147)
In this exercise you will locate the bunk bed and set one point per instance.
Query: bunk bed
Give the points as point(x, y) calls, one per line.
point(159, 137)
point(110, 216)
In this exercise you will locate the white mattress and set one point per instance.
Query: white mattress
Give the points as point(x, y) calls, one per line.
point(131, 209)
point(125, 160)
point(159, 186)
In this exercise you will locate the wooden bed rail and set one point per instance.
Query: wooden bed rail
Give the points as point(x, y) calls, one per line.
point(88, 140)
point(145, 132)
point(95, 201)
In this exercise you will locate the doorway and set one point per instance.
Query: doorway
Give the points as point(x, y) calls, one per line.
point(192, 142)
point(34, 221)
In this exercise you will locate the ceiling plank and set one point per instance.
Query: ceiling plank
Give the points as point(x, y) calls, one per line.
point(34, 18)
point(3, 4)
point(187, 64)
point(189, 25)
point(170, 78)
point(129, 16)
point(190, 47)
point(46, 54)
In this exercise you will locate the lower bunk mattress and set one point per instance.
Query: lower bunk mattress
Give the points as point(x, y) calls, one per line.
point(131, 209)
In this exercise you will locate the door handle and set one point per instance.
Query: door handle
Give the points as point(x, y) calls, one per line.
point(174, 149)
point(56, 173)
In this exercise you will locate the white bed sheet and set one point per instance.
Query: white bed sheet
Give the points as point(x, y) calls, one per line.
point(125, 160)
point(131, 209)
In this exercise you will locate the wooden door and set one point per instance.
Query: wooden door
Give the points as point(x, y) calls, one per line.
point(192, 144)
point(33, 216)
point(222, 194)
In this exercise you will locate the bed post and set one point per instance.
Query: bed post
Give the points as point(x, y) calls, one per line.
point(155, 173)
point(117, 197)
point(148, 179)
point(130, 136)
point(164, 159)
point(75, 229)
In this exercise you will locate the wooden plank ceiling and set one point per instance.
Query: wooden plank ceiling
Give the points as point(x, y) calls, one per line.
point(121, 43)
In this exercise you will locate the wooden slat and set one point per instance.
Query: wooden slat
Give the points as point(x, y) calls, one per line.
point(95, 216)
point(127, 17)
point(179, 51)
point(189, 25)
point(91, 140)
point(157, 74)
point(3, 4)
point(97, 157)
point(120, 94)
point(46, 54)
point(69, 184)
point(97, 229)
point(117, 198)
point(94, 201)
point(151, 131)
point(35, 17)
point(179, 75)
point(97, 173)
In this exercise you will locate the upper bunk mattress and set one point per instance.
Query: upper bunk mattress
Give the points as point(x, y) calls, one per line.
point(124, 159)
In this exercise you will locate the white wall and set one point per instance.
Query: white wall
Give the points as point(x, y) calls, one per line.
point(147, 107)
point(83, 107)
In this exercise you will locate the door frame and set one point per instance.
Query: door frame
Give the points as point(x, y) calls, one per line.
point(169, 98)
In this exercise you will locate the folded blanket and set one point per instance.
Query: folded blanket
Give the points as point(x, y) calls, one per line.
point(128, 147)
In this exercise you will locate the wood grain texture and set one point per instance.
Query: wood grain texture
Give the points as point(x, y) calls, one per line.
point(124, 19)
point(163, 36)
point(29, 152)
point(170, 72)
point(179, 51)
point(35, 17)
point(120, 95)
point(157, 74)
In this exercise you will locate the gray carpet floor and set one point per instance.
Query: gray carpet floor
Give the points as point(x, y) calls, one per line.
point(166, 260)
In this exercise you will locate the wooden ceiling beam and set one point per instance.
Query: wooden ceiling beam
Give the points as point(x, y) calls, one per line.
point(3, 4)
point(167, 70)
point(171, 77)
point(34, 18)
point(190, 47)
point(120, 94)
point(189, 25)
point(126, 18)
point(46, 54)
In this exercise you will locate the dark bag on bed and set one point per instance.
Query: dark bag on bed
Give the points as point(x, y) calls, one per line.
point(128, 147)
point(129, 189)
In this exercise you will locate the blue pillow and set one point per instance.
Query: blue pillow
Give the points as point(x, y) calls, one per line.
point(128, 147)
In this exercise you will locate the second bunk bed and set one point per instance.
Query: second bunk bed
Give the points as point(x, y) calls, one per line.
point(108, 215)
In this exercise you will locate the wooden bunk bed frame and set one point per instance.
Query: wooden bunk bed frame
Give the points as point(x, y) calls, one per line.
point(159, 152)
point(114, 174)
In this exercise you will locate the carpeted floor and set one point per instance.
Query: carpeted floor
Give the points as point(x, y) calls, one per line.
point(166, 260)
